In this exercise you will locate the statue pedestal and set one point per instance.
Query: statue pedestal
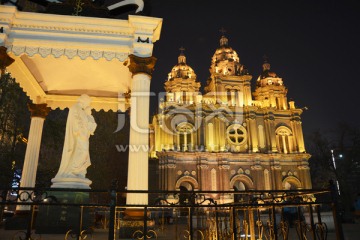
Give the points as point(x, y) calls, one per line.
point(71, 182)
point(61, 219)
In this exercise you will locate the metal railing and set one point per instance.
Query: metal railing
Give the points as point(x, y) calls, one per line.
point(246, 215)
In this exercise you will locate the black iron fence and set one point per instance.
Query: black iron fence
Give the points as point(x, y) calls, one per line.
point(77, 213)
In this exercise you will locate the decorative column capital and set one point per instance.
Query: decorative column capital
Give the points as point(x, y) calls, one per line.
point(224, 167)
point(39, 110)
point(5, 59)
point(170, 165)
point(141, 64)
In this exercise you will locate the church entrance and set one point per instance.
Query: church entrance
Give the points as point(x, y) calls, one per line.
point(238, 187)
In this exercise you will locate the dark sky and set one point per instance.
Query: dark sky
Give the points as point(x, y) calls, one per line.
point(312, 45)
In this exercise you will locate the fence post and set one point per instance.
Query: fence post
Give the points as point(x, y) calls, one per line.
point(217, 221)
point(273, 212)
point(300, 223)
point(145, 222)
point(234, 222)
point(312, 222)
point(191, 210)
point(112, 210)
point(30, 223)
point(336, 215)
point(79, 237)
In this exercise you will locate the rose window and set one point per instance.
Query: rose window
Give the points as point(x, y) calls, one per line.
point(236, 134)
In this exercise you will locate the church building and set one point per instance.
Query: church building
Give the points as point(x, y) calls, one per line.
point(228, 138)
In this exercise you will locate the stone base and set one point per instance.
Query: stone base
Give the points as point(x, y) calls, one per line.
point(61, 219)
point(132, 225)
point(133, 229)
point(71, 182)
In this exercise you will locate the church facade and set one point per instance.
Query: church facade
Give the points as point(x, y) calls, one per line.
point(229, 138)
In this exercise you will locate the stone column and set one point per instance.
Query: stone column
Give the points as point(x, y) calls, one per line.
point(138, 167)
point(300, 137)
point(277, 177)
point(28, 176)
point(305, 177)
point(272, 133)
point(253, 133)
point(233, 100)
point(171, 177)
point(224, 178)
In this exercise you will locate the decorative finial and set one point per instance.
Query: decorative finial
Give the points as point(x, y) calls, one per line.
point(223, 31)
point(182, 49)
point(266, 64)
point(182, 58)
point(266, 58)
point(223, 39)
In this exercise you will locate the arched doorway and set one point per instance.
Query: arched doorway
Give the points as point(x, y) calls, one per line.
point(240, 183)
point(238, 187)
point(291, 183)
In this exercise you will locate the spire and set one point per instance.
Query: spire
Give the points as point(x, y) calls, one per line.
point(223, 39)
point(182, 58)
point(266, 64)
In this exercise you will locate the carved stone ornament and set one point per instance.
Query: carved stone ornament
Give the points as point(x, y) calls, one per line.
point(70, 53)
point(141, 64)
point(39, 110)
point(256, 167)
point(224, 167)
point(203, 166)
point(5, 59)
point(171, 165)
point(276, 167)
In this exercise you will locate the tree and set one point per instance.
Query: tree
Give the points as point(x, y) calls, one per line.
point(336, 156)
point(14, 123)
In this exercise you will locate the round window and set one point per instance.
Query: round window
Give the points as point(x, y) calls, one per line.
point(236, 134)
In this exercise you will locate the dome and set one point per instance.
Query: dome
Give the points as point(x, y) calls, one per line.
point(268, 77)
point(224, 52)
point(226, 61)
point(181, 70)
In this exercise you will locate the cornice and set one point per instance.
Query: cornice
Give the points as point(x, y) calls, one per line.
point(70, 53)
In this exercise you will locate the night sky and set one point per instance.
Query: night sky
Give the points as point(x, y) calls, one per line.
point(312, 45)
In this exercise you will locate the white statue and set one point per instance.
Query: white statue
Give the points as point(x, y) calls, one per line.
point(79, 126)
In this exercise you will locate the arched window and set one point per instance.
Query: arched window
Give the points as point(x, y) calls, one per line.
point(184, 136)
point(284, 139)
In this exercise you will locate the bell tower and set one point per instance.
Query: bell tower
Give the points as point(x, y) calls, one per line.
point(270, 90)
point(229, 82)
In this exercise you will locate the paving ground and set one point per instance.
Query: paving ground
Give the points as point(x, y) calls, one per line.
point(351, 232)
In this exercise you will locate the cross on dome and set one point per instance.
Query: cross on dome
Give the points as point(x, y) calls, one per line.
point(223, 31)
point(182, 49)
point(182, 58)
point(266, 64)
point(223, 39)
